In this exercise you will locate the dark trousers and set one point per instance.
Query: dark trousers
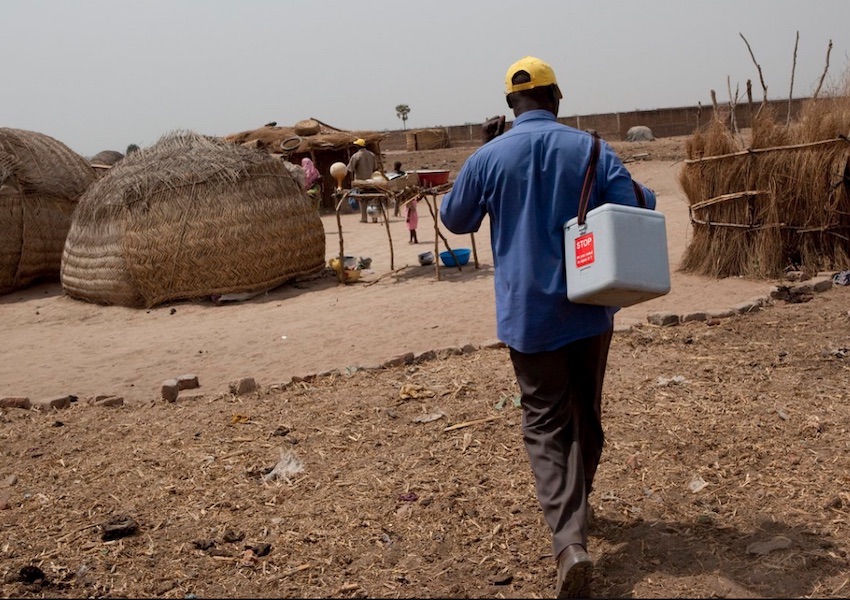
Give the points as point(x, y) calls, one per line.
point(562, 429)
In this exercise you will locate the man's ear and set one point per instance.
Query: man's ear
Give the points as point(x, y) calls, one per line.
point(509, 101)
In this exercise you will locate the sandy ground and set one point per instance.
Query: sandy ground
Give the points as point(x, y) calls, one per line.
point(55, 345)
point(725, 472)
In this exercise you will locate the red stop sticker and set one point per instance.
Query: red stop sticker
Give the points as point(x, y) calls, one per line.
point(584, 250)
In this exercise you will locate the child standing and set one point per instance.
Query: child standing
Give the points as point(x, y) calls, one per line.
point(412, 218)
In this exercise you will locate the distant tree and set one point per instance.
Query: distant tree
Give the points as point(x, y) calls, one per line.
point(401, 111)
point(130, 149)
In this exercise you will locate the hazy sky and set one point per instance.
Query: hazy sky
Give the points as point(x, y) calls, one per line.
point(101, 74)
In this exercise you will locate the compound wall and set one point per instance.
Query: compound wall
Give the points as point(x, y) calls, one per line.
point(664, 122)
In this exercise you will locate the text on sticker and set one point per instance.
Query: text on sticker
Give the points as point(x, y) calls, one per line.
point(584, 250)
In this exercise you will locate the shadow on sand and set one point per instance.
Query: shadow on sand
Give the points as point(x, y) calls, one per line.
point(722, 558)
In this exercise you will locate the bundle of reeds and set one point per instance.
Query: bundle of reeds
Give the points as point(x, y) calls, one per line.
point(190, 217)
point(41, 180)
point(782, 202)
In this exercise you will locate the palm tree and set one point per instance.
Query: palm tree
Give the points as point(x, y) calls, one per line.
point(401, 111)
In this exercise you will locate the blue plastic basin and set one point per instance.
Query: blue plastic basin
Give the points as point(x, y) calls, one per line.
point(462, 255)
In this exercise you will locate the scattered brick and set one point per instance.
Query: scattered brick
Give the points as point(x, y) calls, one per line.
point(663, 319)
point(425, 356)
point(446, 352)
point(170, 390)
point(55, 403)
point(15, 402)
point(397, 361)
point(110, 401)
point(746, 307)
point(187, 382)
point(493, 344)
point(243, 386)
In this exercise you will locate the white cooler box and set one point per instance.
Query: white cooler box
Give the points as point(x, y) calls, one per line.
point(618, 257)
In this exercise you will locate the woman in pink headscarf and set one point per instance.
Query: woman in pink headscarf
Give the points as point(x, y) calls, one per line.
point(311, 180)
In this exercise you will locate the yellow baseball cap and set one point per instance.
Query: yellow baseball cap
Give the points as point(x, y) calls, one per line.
point(541, 75)
point(360, 142)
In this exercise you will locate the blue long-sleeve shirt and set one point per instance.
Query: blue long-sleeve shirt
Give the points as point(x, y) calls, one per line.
point(529, 181)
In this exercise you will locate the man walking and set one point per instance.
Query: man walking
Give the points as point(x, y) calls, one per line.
point(361, 165)
point(529, 182)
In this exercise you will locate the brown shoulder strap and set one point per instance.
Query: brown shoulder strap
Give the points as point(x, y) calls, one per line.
point(589, 177)
point(639, 194)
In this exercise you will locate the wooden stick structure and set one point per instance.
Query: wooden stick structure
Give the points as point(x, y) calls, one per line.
point(763, 150)
point(474, 251)
point(432, 208)
point(438, 235)
point(341, 271)
point(381, 197)
point(386, 215)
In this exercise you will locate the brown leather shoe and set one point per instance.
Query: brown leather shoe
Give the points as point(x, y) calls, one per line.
point(575, 573)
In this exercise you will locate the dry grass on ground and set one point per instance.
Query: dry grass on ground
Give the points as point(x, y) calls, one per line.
point(725, 474)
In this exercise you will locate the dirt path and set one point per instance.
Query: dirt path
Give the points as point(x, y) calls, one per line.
point(55, 345)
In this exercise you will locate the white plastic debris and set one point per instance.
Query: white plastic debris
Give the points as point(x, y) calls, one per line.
point(779, 542)
point(437, 414)
point(286, 467)
point(697, 484)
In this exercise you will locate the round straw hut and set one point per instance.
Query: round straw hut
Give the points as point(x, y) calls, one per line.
point(106, 158)
point(190, 217)
point(41, 180)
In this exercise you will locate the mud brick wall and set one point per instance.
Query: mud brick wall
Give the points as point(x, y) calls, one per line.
point(664, 122)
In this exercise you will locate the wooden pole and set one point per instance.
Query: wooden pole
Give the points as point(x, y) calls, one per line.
point(750, 100)
point(341, 272)
point(474, 251)
point(436, 240)
point(763, 150)
point(825, 69)
point(758, 66)
point(732, 196)
point(733, 103)
point(791, 90)
point(386, 216)
point(441, 236)
point(436, 233)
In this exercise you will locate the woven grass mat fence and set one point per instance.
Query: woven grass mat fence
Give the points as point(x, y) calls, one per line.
point(782, 203)
point(427, 139)
point(187, 218)
point(41, 180)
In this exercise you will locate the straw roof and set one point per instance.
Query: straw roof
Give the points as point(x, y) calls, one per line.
point(189, 217)
point(781, 203)
point(41, 180)
point(106, 157)
point(270, 137)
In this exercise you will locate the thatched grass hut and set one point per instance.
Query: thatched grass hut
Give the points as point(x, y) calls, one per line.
point(41, 180)
point(190, 217)
point(781, 203)
point(322, 143)
point(105, 160)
